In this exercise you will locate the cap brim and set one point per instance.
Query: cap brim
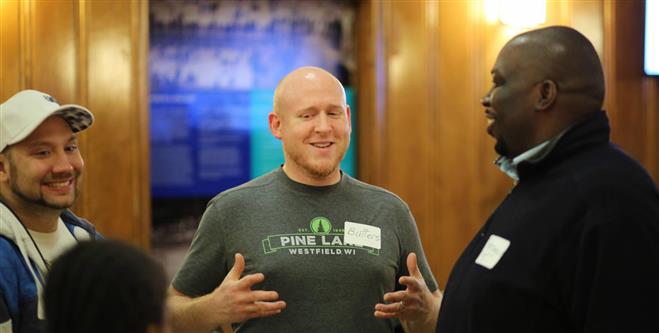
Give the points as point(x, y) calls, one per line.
point(78, 117)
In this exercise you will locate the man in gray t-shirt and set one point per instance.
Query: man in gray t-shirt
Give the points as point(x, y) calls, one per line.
point(306, 248)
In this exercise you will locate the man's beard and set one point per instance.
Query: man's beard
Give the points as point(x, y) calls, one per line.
point(38, 199)
point(501, 148)
point(317, 170)
point(41, 201)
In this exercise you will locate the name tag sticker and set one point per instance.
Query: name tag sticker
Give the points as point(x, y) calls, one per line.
point(361, 235)
point(493, 250)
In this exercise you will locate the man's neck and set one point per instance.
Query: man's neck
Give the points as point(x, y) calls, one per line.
point(41, 223)
point(303, 178)
point(33, 217)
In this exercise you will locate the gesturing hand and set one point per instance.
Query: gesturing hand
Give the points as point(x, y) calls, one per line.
point(234, 301)
point(415, 303)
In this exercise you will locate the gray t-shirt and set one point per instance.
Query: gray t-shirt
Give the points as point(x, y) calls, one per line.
point(294, 234)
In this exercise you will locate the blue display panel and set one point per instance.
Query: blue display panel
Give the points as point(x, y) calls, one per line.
point(213, 70)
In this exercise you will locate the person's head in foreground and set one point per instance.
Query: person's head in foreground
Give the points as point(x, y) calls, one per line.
point(105, 287)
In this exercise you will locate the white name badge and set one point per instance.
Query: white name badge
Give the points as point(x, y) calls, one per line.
point(361, 235)
point(493, 250)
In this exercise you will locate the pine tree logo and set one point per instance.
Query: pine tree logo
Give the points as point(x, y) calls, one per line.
point(321, 225)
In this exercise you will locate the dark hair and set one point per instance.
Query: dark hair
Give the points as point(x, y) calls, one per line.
point(104, 286)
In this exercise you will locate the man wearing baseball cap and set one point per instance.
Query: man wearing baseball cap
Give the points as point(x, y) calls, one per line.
point(40, 175)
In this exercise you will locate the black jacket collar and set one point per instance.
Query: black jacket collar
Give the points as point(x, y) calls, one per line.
point(588, 133)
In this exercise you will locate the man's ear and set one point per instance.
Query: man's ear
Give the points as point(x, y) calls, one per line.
point(349, 119)
point(547, 96)
point(4, 167)
point(274, 123)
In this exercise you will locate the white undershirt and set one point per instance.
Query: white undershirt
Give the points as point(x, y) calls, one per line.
point(53, 244)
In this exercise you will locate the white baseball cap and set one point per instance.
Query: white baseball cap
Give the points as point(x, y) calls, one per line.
point(24, 112)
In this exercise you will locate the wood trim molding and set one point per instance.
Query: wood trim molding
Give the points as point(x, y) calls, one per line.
point(82, 89)
point(142, 183)
point(609, 58)
point(372, 86)
point(26, 40)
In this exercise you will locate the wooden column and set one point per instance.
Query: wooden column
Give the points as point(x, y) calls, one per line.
point(631, 97)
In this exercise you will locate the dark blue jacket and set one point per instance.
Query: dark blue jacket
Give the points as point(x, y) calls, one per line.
point(18, 289)
point(583, 227)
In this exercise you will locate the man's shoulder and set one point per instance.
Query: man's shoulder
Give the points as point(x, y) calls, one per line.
point(373, 192)
point(610, 167)
point(8, 252)
point(612, 180)
point(18, 291)
point(12, 264)
point(79, 227)
point(246, 190)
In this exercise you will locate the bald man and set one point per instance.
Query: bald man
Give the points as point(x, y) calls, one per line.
point(310, 248)
point(574, 247)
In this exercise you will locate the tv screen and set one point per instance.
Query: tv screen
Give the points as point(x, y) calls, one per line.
point(651, 37)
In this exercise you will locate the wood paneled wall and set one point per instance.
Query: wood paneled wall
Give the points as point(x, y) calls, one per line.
point(632, 98)
point(93, 53)
point(423, 66)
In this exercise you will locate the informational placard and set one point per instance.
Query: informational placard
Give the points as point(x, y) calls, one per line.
point(213, 69)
